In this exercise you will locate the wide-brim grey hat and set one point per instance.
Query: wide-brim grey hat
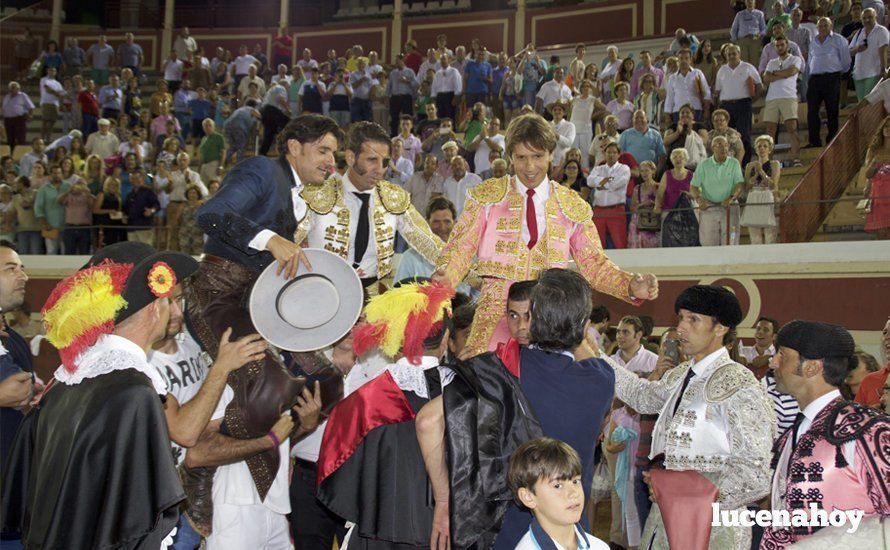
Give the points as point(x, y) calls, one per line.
point(314, 309)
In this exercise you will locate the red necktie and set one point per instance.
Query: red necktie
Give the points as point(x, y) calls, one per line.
point(531, 219)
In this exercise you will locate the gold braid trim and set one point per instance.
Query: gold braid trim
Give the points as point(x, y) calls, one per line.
point(457, 255)
point(490, 191)
point(303, 229)
point(572, 205)
point(321, 198)
point(602, 274)
point(395, 199)
point(420, 237)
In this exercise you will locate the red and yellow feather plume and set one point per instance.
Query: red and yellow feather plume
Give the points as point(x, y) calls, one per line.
point(402, 318)
point(83, 307)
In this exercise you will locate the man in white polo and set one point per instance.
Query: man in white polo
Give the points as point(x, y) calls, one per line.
point(781, 97)
point(737, 83)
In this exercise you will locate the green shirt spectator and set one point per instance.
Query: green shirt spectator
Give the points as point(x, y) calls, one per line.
point(46, 205)
point(212, 147)
point(716, 181)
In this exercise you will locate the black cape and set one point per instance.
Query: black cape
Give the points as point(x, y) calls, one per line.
point(487, 417)
point(91, 468)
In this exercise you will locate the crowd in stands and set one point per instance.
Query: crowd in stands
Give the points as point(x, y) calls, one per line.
point(659, 142)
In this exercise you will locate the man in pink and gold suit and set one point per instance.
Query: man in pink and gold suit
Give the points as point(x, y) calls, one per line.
point(834, 458)
point(518, 226)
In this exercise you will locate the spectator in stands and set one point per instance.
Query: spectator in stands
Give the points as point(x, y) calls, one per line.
point(412, 149)
point(17, 108)
point(583, 108)
point(866, 365)
point(49, 212)
point(781, 98)
point(312, 94)
point(108, 213)
point(477, 75)
point(101, 55)
point(449, 150)
point(429, 124)
point(721, 127)
point(459, 183)
point(869, 45)
point(39, 174)
point(762, 176)
point(306, 62)
point(241, 64)
point(645, 67)
point(78, 205)
point(200, 108)
point(487, 141)
point(425, 184)
point(111, 99)
point(251, 78)
point(140, 207)
point(872, 386)
point(51, 95)
point(430, 63)
point(261, 58)
point(413, 57)
point(576, 67)
point(687, 86)
point(181, 112)
point(173, 70)
point(621, 106)
point(161, 95)
point(597, 151)
point(400, 169)
point(738, 82)
point(552, 91)
point(361, 81)
point(281, 48)
point(748, 28)
point(275, 114)
point(237, 129)
point(435, 141)
point(339, 93)
point(687, 133)
point(447, 87)
point(36, 154)
point(103, 143)
point(674, 183)
point(185, 45)
point(642, 141)
point(28, 238)
point(281, 76)
point(573, 178)
point(164, 126)
point(129, 54)
point(7, 214)
point(877, 5)
point(211, 151)
point(644, 230)
point(829, 58)
point(877, 190)
point(608, 184)
point(611, 65)
point(401, 87)
point(191, 237)
point(89, 108)
point(770, 51)
point(716, 185)
point(531, 67)
point(73, 58)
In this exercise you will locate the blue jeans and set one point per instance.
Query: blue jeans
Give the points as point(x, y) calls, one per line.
point(186, 537)
point(641, 496)
point(29, 242)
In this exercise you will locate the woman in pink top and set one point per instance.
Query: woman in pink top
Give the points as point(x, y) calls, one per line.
point(78, 203)
point(621, 107)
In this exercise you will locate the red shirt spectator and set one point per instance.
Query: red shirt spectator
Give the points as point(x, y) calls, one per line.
point(629, 160)
point(281, 49)
point(89, 103)
point(413, 59)
point(872, 387)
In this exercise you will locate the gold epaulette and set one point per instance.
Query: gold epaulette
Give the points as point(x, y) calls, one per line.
point(393, 197)
point(321, 198)
point(573, 206)
point(490, 191)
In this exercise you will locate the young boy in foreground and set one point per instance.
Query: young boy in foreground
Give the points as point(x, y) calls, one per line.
point(545, 477)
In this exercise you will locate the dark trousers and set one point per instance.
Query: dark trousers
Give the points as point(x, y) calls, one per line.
point(445, 105)
point(77, 240)
point(399, 105)
point(823, 88)
point(740, 118)
point(111, 114)
point(274, 119)
point(89, 125)
point(313, 526)
point(641, 496)
point(360, 109)
point(16, 130)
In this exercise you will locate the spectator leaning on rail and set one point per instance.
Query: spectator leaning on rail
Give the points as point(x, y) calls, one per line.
point(716, 184)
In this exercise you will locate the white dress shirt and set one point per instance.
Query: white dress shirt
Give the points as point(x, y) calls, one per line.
point(869, 63)
point(480, 160)
point(750, 352)
point(643, 361)
point(553, 91)
point(732, 84)
point(456, 191)
point(47, 84)
point(447, 80)
point(682, 89)
point(565, 138)
point(615, 191)
point(542, 193)
point(262, 238)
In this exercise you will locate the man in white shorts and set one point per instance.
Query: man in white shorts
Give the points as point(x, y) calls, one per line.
point(781, 97)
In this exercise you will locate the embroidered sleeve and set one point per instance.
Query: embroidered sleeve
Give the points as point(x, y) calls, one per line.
point(457, 256)
point(419, 235)
point(873, 466)
point(751, 423)
point(303, 228)
point(602, 274)
point(645, 396)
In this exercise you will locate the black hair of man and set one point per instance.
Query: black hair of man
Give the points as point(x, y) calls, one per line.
point(521, 291)
point(309, 128)
point(599, 314)
point(560, 305)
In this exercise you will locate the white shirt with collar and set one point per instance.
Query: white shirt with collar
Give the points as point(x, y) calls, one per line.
point(732, 84)
point(542, 193)
point(615, 191)
point(750, 352)
point(456, 191)
point(367, 267)
point(565, 134)
point(810, 413)
point(643, 361)
point(590, 543)
point(262, 238)
point(553, 91)
point(447, 80)
point(682, 89)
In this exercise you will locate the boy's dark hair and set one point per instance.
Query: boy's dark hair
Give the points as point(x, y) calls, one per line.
point(364, 131)
point(444, 119)
point(403, 116)
point(600, 314)
point(440, 203)
point(560, 304)
point(542, 458)
point(648, 325)
point(308, 128)
point(520, 291)
point(463, 318)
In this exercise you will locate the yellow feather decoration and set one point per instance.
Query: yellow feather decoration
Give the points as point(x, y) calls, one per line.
point(90, 302)
point(394, 307)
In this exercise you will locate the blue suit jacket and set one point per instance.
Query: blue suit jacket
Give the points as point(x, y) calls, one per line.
point(254, 195)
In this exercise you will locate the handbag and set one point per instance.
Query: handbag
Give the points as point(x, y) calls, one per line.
point(601, 486)
point(696, 149)
point(864, 206)
point(647, 219)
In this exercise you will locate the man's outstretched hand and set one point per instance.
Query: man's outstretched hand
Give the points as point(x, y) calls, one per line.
point(644, 287)
point(289, 256)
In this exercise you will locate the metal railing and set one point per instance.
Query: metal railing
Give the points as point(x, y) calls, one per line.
point(808, 204)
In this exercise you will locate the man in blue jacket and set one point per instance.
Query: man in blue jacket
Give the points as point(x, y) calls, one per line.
point(249, 224)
